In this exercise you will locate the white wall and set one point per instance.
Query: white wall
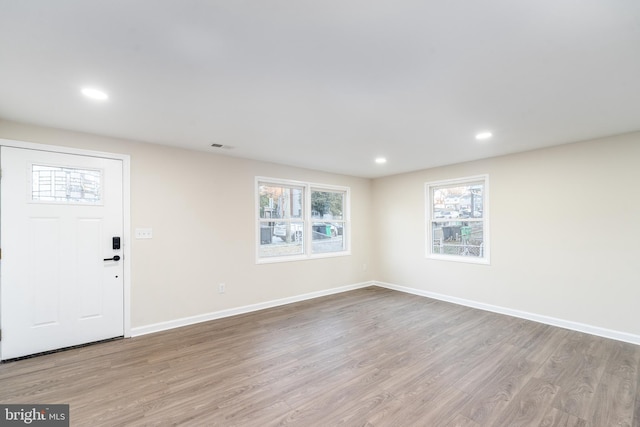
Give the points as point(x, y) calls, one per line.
point(201, 207)
point(565, 234)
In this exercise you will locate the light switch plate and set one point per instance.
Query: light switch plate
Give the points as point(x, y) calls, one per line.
point(144, 233)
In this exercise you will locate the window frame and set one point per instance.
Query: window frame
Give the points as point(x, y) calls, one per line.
point(306, 218)
point(430, 220)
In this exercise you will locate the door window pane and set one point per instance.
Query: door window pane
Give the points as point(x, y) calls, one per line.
point(66, 185)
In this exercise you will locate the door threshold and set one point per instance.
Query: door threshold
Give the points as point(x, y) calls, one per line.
point(58, 350)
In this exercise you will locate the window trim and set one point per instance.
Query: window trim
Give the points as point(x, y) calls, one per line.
point(429, 254)
point(307, 243)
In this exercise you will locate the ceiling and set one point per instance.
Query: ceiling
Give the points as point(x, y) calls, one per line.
point(327, 85)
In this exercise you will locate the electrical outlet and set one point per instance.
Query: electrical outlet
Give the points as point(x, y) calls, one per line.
point(222, 288)
point(364, 267)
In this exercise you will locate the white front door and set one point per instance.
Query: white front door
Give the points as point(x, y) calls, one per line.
point(59, 283)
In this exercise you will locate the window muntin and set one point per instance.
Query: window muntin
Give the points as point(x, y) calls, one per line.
point(457, 226)
point(300, 220)
point(60, 184)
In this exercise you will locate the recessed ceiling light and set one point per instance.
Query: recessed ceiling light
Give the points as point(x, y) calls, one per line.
point(381, 160)
point(94, 93)
point(483, 135)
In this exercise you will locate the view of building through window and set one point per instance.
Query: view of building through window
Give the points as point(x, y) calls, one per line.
point(281, 220)
point(457, 220)
point(327, 215)
point(290, 213)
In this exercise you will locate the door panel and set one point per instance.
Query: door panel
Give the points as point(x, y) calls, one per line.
point(59, 213)
point(42, 268)
point(90, 265)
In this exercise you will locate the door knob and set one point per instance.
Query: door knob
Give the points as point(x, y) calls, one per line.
point(115, 258)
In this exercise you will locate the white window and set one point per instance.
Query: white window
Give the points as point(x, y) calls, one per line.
point(457, 213)
point(299, 220)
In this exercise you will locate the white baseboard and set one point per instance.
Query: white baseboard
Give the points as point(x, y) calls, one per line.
point(561, 323)
point(547, 320)
point(185, 321)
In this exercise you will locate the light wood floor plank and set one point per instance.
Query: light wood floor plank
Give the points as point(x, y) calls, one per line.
point(578, 382)
point(614, 401)
point(556, 418)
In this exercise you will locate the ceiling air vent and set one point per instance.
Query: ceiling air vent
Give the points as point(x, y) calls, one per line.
point(222, 146)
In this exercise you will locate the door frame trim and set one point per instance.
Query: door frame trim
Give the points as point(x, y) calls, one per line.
point(126, 205)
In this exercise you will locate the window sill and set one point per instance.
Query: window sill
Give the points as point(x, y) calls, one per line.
point(463, 259)
point(295, 258)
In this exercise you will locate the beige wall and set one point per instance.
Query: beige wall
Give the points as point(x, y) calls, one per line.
point(565, 234)
point(201, 207)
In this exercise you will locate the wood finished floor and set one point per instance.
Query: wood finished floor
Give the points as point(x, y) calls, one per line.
point(370, 357)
